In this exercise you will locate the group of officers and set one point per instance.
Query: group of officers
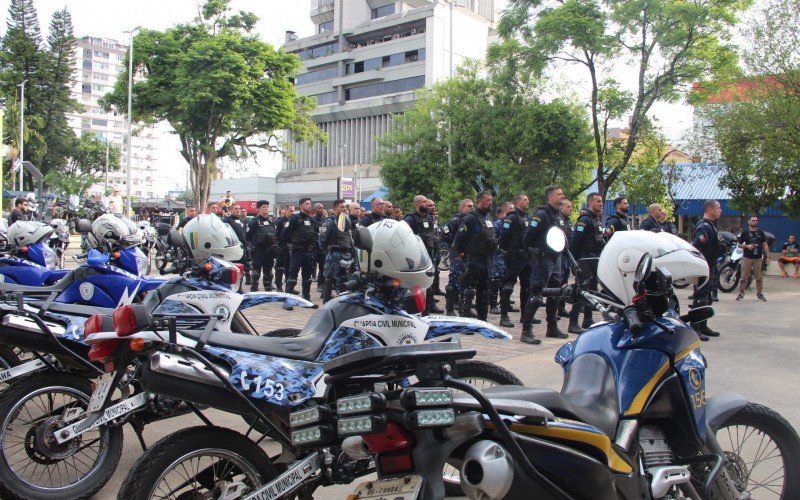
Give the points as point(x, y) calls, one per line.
point(487, 255)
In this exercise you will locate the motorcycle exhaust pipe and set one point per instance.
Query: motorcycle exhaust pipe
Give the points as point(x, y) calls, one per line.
point(487, 471)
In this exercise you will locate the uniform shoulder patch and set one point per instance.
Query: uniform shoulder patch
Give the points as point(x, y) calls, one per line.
point(580, 226)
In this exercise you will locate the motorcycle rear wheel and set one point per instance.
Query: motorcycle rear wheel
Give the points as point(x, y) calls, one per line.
point(161, 261)
point(8, 359)
point(222, 455)
point(762, 452)
point(30, 409)
point(728, 277)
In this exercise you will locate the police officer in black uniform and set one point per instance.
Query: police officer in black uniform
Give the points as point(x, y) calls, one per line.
point(375, 216)
point(618, 221)
point(353, 211)
point(262, 235)
point(423, 225)
point(452, 291)
point(282, 256)
point(706, 240)
point(235, 221)
point(587, 243)
point(319, 254)
point(511, 240)
point(301, 234)
point(476, 240)
point(335, 239)
point(545, 266)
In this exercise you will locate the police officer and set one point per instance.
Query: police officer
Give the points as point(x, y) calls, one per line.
point(335, 239)
point(511, 240)
point(282, 256)
point(423, 225)
point(498, 268)
point(619, 220)
point(235, 221)
point(566, 212)
point(706, 240)
point(301, 234)
point(452, 291)
point(354, 211)
point(587, 243)
point(545, 266)
point(477, 241)
point(437, 241)
point(376, 215)
point(262, 235)
point(319, 254)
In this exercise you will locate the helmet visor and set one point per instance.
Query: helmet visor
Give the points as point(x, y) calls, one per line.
point(409, 255)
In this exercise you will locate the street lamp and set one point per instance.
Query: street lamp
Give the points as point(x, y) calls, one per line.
point(130, 113)
point(21, 130)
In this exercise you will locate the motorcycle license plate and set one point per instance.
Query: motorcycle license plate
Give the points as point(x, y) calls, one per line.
point(100, 392)
point(401, 488)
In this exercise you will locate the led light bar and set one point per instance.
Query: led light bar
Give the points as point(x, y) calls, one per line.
point(363, 403)
point(421, 398)
point(420, 419)
point(311, 435)
point(308, 416)
point(365, 424)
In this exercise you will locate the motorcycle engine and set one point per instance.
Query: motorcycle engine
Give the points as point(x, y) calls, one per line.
point(659, 464)
point(655, 448)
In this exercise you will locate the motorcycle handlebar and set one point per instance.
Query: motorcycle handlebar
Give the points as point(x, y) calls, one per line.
point(553, 292)
point(631, 316)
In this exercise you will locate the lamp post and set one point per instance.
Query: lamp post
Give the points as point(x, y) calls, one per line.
point(21, 129)
point(130, 117)
point(342, 148)
point(108, 145)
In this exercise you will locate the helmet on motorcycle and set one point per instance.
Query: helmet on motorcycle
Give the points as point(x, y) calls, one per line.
point(28, 232)
point(397, 253)
point(112, 229)
point(617, 265)
point(207, 235)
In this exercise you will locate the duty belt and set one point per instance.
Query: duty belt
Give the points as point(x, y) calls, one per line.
point(339, 249)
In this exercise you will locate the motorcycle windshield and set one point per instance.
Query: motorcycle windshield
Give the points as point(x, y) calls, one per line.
point(133, 260)
point(42, 254)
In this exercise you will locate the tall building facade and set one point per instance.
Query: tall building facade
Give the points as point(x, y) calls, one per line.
point(99, 61)
point(363, 66)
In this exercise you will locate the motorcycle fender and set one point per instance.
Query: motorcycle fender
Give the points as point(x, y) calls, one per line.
point(439, 326)
point(721, 408)
point(392, 329)
point(287, 299)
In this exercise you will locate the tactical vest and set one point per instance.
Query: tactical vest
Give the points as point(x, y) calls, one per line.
point(549, 217)
point(450, 229)
point(339, 240)
point(710, 249)
point(266, 232)
point(426, 229)
point(303, 234)
point(595, 242)
point(516, 236)
point(484, 243)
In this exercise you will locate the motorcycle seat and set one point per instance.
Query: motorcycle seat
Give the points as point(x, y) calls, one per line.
point(589, 394)
point(58, 286)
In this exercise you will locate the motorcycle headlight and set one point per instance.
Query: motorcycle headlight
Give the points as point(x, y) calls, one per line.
point(49, 257)
point(141, 265)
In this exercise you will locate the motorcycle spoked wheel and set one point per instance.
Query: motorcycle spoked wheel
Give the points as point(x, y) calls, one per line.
point(34, 466)
point(161, 261)
point(762, 453)
point(8, 359)
point(218, 458)
point(728, 278)
point(481, 375)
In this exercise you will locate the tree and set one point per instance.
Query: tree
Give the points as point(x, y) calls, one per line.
point(756, 130)
point(84, 167)
point(502, 138)
point(224, 92)
point(669, 44)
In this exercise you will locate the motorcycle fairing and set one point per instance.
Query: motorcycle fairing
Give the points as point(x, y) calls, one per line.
point(692, 370)
point(394, 329)
point(38, 253)
point(448, 325)
point(24, 272)
point(257, 298)
point(222, 303)
point(345, 340)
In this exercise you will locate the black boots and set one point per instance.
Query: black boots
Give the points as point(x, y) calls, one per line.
point(505, 306)
point(430, 305)
point(554, 332)
point(450, 297)
point(279, 278)
point(494, 292)
point(290, 284)
point(254, 281)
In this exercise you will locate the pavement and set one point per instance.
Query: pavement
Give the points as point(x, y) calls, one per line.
point(756, 356)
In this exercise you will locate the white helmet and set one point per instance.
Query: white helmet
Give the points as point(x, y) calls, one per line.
point(112, 229)
point(618, 261)
point(207, 235)
point(397, 253)
point(28, 232)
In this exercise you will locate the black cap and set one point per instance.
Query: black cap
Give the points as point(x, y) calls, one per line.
point(261, 202)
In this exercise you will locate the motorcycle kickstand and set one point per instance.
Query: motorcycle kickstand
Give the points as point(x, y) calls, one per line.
point(138, 428)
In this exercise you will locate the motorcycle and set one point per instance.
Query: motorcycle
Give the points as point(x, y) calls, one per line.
point(149, 236)
point(729, 269)
point(632, 419)
point(59, 241)
point(165, 253)
point(31, 265)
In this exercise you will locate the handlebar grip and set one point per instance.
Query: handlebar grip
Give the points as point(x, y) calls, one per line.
point(352, 285)
point(552, 292)
point(632, 319)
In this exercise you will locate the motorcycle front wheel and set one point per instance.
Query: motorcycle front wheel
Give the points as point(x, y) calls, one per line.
point(199, 462)
point(32, 464)
point(762, 453)
point(161, 261)
point(728, 277)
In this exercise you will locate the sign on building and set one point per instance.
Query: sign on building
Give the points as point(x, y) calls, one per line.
point(347, 189)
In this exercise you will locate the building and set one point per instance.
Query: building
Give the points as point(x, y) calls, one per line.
point(363, 66)
point(99, 61)
point(246, 191)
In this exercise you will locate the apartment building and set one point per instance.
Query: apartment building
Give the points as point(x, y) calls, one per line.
point(99, 61)
point(363, 65)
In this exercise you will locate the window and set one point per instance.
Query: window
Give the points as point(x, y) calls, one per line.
point(385, 62)
point(316, 76)
point(325, 27)
point(87, 53)
point(383, 11)
point(391, 87)
point(86, 88)
point(412, 56)
point(87, 64)
point(321, 51)
point(327, 98)
point(100, 53)
point(99, 123)
point(97, 87)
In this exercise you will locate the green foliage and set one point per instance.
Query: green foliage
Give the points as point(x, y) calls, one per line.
point(502, 139)
point(223, 91)
point(668, 44)
point(85, 166)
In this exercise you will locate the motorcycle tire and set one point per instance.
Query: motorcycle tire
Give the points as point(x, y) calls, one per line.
point(680, 284)
point(481, 375)
point(8, 358)
point(33, 406)
point(170, 454)
point(756, 423)
point(161, 261)
point(444, 260)
point(728, 278)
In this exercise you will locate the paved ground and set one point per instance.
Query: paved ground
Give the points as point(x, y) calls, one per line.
point(756, 356)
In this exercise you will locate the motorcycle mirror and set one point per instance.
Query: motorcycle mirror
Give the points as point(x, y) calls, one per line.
point(556, 239)
point(643, 270)
point(362, 239)
point(698, 314)
point(83, 226)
